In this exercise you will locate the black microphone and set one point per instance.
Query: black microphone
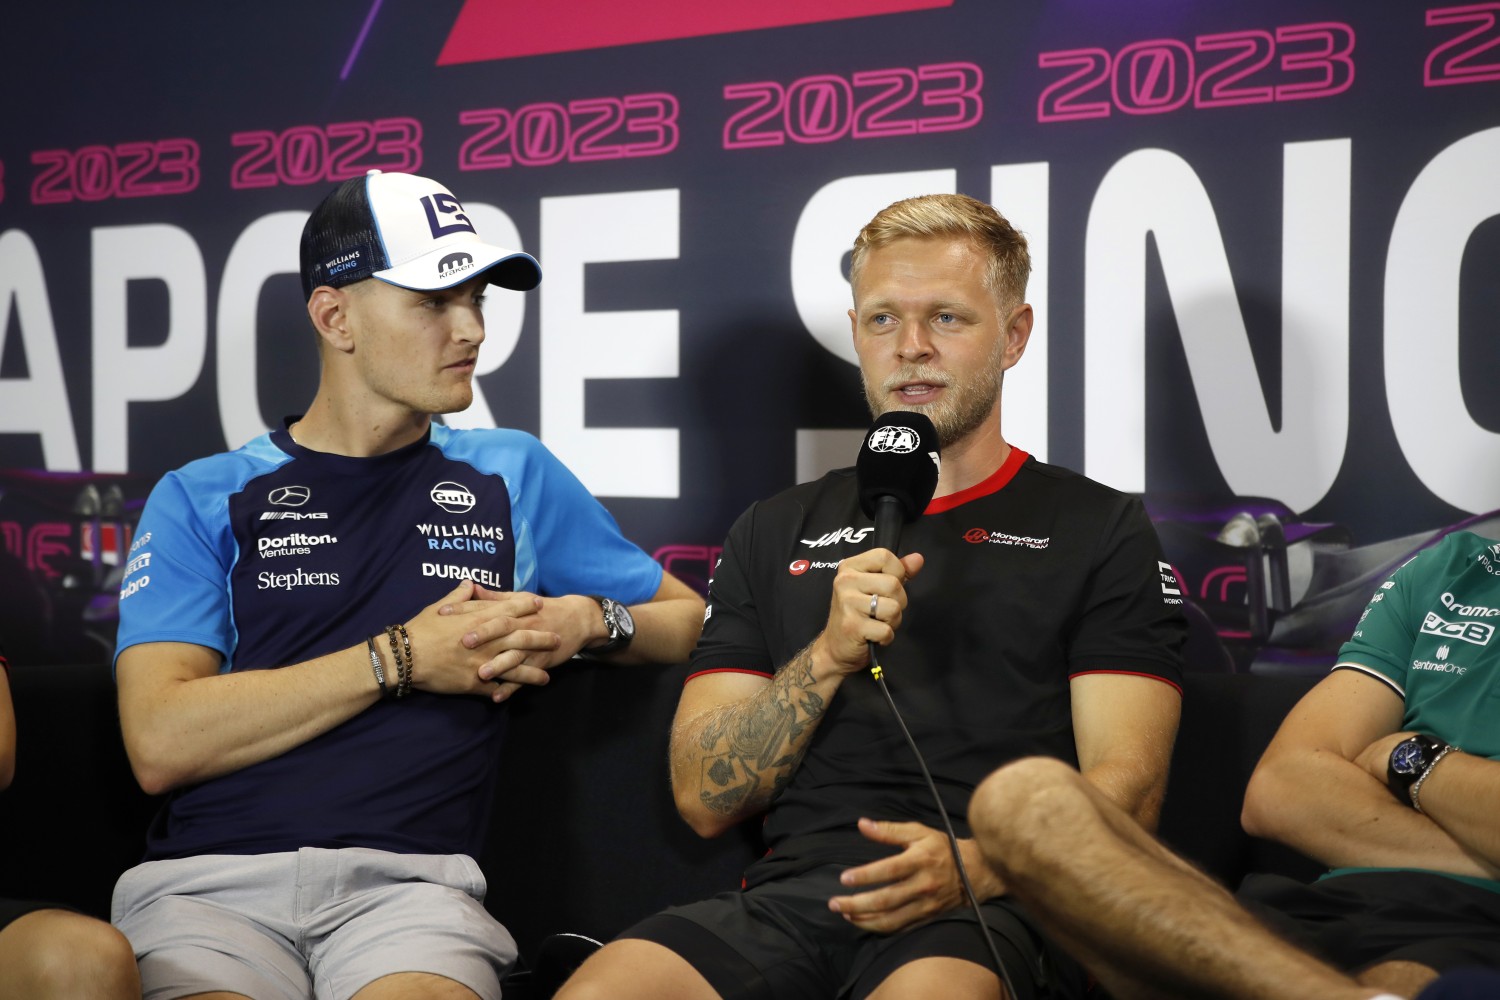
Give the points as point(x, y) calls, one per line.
point(897, 472)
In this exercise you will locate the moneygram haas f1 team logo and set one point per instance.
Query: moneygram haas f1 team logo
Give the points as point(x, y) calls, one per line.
point(453, 497)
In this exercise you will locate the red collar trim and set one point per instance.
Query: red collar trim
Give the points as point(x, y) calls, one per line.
point(993, 484)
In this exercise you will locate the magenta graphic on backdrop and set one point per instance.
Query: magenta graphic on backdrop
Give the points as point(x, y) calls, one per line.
point(505, 29)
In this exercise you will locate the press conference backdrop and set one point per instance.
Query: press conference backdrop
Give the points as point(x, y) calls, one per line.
point(1264, 240)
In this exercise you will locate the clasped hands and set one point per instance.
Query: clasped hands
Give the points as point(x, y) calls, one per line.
point(492, 643)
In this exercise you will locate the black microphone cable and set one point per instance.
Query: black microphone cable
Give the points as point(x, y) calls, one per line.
point(878, 673)
point(897, 473)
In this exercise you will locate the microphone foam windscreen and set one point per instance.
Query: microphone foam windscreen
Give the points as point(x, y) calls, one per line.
point(899, 459)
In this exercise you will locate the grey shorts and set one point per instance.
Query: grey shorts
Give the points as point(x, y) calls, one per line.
point(311, 923)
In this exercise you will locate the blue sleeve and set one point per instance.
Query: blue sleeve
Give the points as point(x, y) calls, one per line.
point(566, 542)
point(175, 587)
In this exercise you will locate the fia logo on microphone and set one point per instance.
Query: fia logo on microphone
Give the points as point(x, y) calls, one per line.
point(894, 438)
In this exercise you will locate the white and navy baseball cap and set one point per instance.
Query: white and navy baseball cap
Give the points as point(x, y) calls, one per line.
point(406, 230)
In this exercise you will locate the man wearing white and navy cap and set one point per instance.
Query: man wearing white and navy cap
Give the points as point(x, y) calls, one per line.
point(319, 631)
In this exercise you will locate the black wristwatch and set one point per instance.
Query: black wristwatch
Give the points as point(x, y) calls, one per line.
point(1410, 761)
point(617, 622)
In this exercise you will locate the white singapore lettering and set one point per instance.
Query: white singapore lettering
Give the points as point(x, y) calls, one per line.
point(445, 571)
point(1449, 179)
point(297, 578)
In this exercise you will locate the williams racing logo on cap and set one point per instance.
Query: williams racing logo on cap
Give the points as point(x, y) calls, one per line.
point(349, 265)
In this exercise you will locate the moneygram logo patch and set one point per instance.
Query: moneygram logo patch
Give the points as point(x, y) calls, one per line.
point(976, 536)
point(453, 497)
point(800, 566)
point(289, 496)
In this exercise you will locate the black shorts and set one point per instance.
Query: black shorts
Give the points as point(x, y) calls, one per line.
point(779, 941)
point(1361, 919)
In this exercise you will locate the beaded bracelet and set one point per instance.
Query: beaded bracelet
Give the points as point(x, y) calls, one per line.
point(399, 639)
point(406, 661)
point(378, 667)
point(395, 641)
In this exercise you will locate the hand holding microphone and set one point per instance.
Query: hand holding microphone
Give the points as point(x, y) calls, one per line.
point(897, 473)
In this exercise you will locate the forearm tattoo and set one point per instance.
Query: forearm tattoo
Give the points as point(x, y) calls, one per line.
point(748, 752)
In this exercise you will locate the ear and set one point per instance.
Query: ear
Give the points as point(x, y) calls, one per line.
point(329, 311)
point(1017, 334)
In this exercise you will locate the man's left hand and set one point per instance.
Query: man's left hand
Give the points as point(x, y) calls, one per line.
point(914, 885)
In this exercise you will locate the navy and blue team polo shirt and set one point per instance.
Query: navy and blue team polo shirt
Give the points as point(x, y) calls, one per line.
point(273, 554)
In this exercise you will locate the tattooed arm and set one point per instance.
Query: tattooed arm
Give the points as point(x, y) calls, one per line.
point(738, 737)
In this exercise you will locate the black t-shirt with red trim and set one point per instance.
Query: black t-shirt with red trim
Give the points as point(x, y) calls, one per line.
point(1031, 577)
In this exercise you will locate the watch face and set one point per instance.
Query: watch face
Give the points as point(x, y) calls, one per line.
point(1408, 757)
point(623, 620)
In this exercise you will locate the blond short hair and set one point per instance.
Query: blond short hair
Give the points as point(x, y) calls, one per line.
point(953, 216)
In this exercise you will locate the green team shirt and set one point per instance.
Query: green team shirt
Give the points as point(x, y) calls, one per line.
point(1429, 632)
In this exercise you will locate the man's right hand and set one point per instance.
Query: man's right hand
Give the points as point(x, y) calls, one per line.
point(515, 654)
point(853, 621)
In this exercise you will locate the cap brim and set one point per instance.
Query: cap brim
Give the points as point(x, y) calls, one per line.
point(454, 264)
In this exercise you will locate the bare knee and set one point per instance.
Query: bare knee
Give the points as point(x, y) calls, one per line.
point(57, 953)
point(1406, 978)
point(1017, 812)
point(940, 978)
point(635, 968)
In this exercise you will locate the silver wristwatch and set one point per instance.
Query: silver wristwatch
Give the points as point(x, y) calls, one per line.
point(617, 622)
